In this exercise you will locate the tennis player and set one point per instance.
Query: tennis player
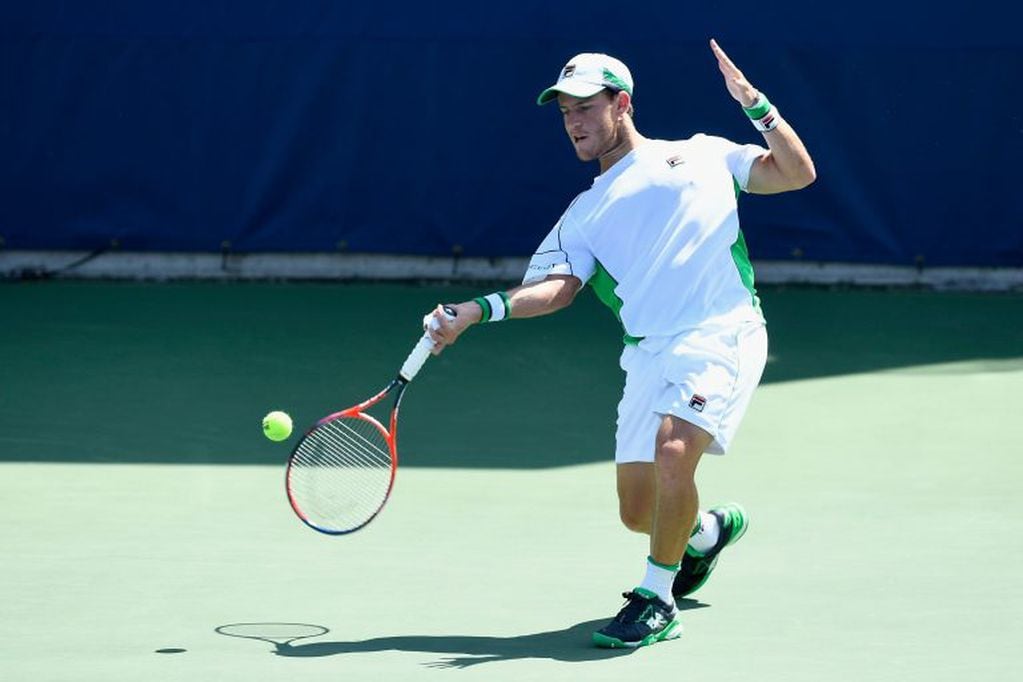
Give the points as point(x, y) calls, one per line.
point(657, 238)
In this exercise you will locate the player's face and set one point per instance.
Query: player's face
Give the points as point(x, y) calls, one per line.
point(591, 123)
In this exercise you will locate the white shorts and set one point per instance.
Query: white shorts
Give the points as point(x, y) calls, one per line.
point(705, 377)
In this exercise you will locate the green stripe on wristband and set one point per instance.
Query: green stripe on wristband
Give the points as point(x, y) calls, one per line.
point(485, 305)
point(507, 304)
point(495, 307)
point(760, 108)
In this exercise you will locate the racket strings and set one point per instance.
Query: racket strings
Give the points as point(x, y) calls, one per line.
point(340, 474)
point(338, 493)
point(353, 447)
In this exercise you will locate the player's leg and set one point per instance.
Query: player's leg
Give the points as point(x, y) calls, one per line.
point(680, 445)
point(722, 526)
point(677, 449)
point(659, 498)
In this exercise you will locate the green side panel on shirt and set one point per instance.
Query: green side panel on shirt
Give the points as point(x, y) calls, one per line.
point(740, 255)
point(603, 285)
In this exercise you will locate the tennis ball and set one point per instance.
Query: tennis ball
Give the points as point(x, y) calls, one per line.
point(277, 425)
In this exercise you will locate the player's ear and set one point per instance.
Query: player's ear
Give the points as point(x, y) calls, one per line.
point(623, 102)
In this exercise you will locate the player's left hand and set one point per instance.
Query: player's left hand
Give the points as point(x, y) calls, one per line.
point(738, 87)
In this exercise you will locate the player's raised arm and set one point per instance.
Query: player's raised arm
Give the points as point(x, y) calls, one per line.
point(787, 166)
point(527, 300)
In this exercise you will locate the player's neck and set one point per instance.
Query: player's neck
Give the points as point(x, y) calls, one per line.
point(628, 139)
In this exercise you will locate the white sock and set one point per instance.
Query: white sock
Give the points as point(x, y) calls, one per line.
point(658, 580)
point(707, 535)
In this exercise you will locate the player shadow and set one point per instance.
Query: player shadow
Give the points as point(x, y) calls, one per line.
point(570, 645)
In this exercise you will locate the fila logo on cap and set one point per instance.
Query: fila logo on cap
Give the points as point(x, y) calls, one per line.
point(586, 74)
point(698, 402)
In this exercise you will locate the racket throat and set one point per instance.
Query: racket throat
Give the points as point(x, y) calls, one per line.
point(400, 385)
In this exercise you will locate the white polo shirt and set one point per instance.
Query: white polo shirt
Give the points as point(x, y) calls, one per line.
point(657, 237)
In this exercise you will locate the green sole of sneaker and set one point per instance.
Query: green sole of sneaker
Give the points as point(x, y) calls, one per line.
point(739, 520)
point(672, 631)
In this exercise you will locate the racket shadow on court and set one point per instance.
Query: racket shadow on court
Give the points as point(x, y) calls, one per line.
point(570, 645)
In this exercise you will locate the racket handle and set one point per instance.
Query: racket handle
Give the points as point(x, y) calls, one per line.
point(414, 361)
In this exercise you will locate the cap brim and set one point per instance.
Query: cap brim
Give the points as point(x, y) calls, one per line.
point(573, 88)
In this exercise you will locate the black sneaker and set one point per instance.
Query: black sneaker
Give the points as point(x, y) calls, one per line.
point(696, 568)
point(644, 619)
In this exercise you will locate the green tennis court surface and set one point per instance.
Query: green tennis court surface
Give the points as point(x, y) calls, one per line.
point(143, 510)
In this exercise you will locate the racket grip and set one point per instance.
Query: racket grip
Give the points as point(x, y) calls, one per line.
point(415, 360)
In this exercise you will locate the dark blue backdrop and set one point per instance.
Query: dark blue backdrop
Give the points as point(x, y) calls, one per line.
point(410, 127)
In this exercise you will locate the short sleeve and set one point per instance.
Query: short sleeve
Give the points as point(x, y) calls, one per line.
point(562, 252)
point(738, 158)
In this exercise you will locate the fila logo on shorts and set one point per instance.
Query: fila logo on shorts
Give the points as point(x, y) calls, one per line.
point(698, 402)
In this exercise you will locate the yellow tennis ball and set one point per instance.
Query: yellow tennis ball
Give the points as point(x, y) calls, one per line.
point(277, 425)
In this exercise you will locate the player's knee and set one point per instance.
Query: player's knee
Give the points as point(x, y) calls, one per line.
point(677, 452)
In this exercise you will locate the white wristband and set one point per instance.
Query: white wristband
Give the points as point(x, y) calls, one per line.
point(769, 122)
point(763, 114)
point(495, 307)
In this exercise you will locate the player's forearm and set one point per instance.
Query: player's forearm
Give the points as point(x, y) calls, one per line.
point(527, 300)
point(790, 157)
point(543, 297)
point(787, 166)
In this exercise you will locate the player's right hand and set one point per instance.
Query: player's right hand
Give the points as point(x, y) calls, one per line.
point(444, 329)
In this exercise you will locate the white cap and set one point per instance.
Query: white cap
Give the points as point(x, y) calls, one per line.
point(587, 74)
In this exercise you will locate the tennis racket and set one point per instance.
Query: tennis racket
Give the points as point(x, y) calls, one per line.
point(341, 472)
